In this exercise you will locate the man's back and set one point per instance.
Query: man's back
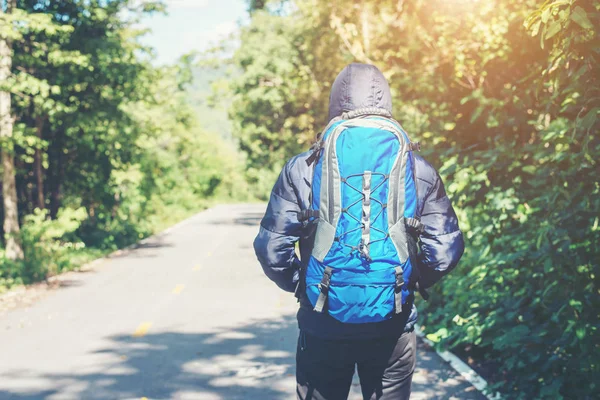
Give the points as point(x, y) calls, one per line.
point(291, 194)
point(440, 244)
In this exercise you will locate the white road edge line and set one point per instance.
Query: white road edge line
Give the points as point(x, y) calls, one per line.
point(459, 366)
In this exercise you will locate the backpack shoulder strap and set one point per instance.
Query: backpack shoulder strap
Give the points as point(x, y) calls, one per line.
point(320, 142)
point(330, 201)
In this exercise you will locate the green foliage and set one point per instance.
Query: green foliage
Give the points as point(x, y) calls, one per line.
point(100, 130)
point(527, 292)
point(279, 98)
point(50, 247)
point(49, 244)
point(205, 96)
point(504, 95)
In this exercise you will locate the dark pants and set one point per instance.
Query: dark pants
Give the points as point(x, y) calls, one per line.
point(324, 368)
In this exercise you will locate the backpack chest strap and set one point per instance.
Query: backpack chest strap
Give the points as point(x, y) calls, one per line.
point(307, 215)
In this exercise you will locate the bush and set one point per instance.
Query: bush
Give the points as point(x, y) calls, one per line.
point(525, 296)
point(50, 246)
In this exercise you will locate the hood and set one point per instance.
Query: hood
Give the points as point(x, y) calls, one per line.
point(359, 86)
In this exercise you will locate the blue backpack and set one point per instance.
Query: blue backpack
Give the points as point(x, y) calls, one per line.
point(364, 197)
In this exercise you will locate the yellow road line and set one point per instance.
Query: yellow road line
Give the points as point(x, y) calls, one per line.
point(209, 254)
point(197, 267)
point(178, 289)
point(142, 329)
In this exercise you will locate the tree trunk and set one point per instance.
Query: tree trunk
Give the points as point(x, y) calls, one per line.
point(37, 165)
point(56, 172)
point(9, 192)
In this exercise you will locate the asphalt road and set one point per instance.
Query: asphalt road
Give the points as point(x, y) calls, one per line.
point(186, 315)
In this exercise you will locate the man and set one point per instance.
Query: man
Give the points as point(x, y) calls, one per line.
point(339, 335)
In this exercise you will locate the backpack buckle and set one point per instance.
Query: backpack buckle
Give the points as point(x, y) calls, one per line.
point(323, 289)
point(398, 289)
point(316, 152)
point(326, 280)
point(414, 146)
point(363, 249)
point(399, 279)
point(307, 215)
point(416, 225)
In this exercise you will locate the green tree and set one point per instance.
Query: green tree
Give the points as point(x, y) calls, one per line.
point(106, 148)
point(504, 96)
point(280, 97)
point(9, 193)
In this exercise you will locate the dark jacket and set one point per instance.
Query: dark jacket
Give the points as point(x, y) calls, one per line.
point(441, 244)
